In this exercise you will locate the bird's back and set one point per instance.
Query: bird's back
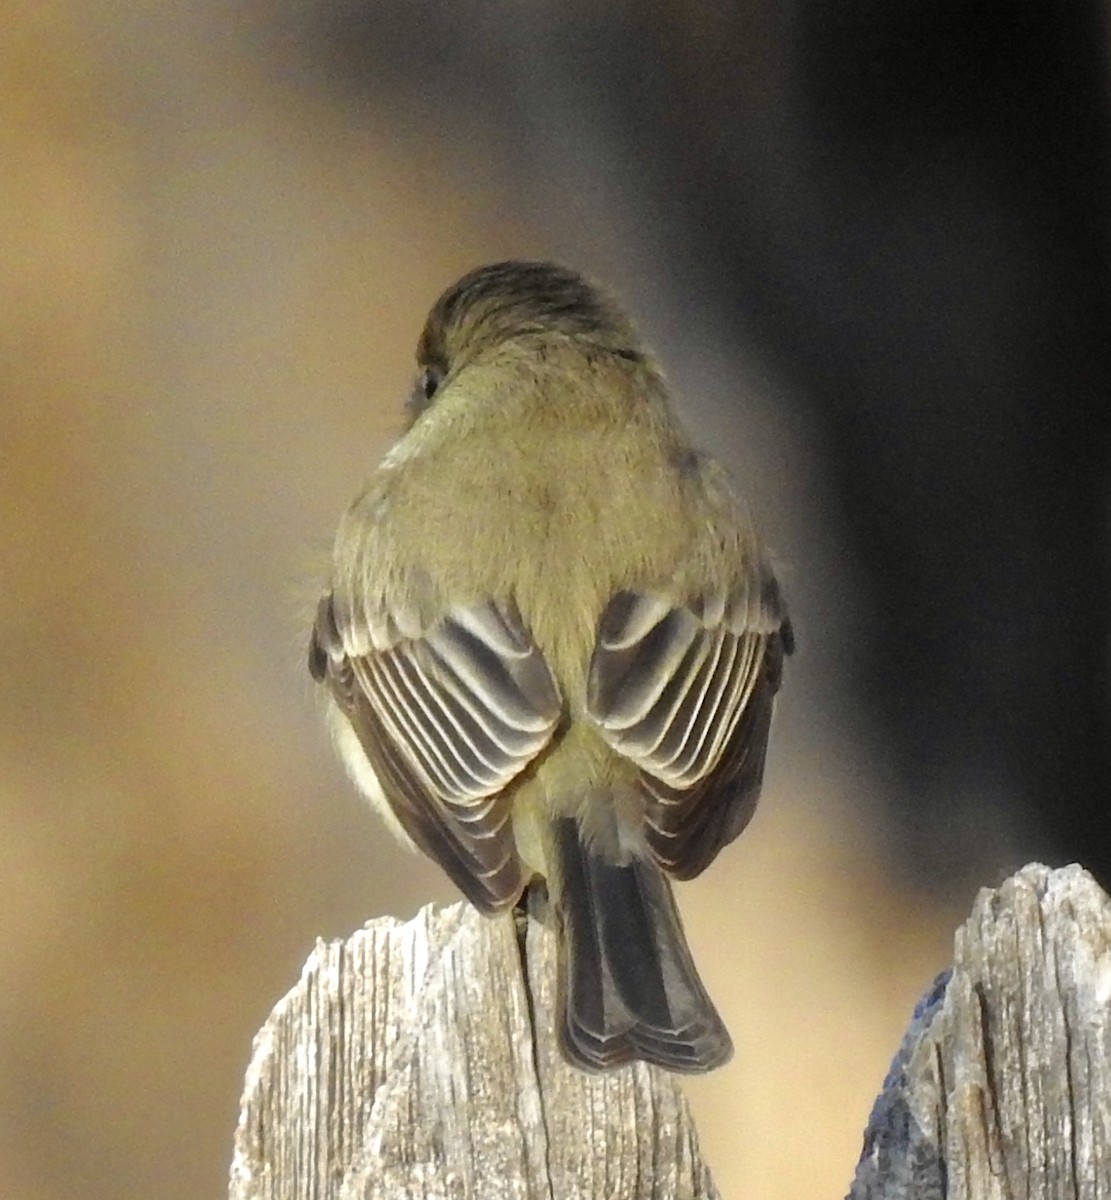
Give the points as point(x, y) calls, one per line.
point(558, 500)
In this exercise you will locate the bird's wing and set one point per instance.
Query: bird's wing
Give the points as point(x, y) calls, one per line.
point(686, 693)
point(446, 720)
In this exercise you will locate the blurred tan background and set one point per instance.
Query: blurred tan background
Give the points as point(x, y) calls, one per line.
point(213, 270)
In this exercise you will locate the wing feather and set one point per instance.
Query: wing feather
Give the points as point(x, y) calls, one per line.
point(686, 693)
point(446, 720)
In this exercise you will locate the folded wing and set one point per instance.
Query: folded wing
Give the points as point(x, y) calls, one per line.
point(446, 719)
point(686, 693)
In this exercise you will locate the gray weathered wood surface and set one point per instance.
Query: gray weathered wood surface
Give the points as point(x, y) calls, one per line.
point(1002, 1089)
point(403, 1065)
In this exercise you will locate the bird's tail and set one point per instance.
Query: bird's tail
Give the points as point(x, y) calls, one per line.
point(628, 988)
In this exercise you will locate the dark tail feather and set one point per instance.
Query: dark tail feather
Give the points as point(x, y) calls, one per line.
point(628, 986)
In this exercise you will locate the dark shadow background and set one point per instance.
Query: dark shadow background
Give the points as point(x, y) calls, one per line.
point(870, 243)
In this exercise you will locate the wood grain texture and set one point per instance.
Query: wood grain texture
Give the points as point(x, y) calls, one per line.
point(1002, 1088)
point(404, 1065)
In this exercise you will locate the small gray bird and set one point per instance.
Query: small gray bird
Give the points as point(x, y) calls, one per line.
point(552, 643)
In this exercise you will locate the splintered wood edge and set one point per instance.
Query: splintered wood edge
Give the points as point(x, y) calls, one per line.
point(1002, 1087)
point(404, 1064)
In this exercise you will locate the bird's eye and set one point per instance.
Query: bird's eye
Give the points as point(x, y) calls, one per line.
point(429, 381)
point(424, 391)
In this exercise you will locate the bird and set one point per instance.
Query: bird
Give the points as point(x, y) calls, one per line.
point(551, 642)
